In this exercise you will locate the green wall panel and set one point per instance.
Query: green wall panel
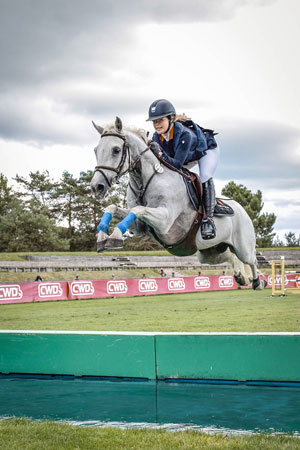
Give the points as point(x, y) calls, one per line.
point(241, 357)
point(78, 354)
point(231, 357)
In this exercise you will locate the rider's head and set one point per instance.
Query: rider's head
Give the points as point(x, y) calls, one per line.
point(162, 113)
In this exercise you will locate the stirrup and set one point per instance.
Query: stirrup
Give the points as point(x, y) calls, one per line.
point(208, 228)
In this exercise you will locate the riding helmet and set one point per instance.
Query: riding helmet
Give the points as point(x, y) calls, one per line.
point(161, 108)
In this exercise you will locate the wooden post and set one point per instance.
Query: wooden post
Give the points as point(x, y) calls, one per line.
point(278, 263)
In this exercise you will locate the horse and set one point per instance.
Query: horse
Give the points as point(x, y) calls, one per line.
point(159, 206)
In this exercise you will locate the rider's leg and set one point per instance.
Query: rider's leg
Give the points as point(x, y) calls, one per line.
point(207, 167)
point(208, 229)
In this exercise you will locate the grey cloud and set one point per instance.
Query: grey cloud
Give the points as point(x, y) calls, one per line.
point(43, 39)
point(266, 151)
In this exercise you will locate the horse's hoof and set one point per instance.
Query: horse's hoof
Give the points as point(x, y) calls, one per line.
point(239, 279)
point(113, 243)
point(258, 284)
point(101, 245)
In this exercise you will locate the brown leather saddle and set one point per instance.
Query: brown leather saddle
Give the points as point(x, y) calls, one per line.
point(187, 245)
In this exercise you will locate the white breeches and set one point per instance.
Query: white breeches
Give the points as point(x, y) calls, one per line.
point(206, 166)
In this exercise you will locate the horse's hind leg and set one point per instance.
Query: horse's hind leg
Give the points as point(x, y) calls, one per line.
point(248, 258)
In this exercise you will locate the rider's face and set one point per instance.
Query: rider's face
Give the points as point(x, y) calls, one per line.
point(161, 125)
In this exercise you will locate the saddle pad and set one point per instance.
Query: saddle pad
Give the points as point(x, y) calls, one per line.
point(222, 209)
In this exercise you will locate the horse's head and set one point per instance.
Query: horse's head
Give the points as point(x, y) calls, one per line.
point(112, 155)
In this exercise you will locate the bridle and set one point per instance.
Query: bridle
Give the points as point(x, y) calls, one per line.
point(118, 170)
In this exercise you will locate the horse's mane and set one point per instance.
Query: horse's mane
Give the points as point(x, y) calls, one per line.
point(138, 131)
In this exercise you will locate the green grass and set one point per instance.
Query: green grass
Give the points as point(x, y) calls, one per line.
point(21, 256)
point(17, 434)
point(19, 277)
point(240, 310)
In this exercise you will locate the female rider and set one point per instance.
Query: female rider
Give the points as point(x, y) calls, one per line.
point(179, 145)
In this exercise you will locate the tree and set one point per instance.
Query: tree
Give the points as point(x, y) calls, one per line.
point(6, 196)
point(38, 188)
point(29, 229)
point(292, 240)
point(253, 204)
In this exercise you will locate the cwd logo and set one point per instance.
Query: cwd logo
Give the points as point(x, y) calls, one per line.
point(176, 284)
point(10, 292)
point(201, 283)
point(148, 285)
point(226, 281)
point(82, 288)
point(116, 287)
point(50, 290)
point(277, 280)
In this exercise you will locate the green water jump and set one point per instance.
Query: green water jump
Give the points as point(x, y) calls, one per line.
point(154, 356)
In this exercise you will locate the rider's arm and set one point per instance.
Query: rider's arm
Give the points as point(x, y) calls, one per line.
point(182, 150)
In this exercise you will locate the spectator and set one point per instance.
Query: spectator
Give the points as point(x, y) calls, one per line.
point(163, 273)
point(38, 278)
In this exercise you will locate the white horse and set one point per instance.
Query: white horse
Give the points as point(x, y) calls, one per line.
point(159, 206)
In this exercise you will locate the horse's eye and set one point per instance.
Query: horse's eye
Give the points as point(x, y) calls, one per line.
point(116, 150)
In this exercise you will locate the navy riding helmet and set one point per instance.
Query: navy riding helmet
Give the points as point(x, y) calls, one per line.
point(161, 108)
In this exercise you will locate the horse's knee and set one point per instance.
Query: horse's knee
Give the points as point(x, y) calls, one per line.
point(111, 209)
point(138, 211)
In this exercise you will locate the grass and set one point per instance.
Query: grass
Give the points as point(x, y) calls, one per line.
point(23, 434)
point(240, 310)
point(21, 256)
point(19, 277)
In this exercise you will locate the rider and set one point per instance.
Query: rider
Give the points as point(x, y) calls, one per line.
point(179, 145)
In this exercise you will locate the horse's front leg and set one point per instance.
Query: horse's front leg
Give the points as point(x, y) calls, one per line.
point(157, 218)
point(103, 227)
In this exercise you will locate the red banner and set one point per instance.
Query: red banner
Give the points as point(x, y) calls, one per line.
point(80, 289)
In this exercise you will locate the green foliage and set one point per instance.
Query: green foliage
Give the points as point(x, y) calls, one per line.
point(292, 240)
point(252, 202)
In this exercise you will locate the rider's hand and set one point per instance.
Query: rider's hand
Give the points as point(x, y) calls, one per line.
point(156, 149)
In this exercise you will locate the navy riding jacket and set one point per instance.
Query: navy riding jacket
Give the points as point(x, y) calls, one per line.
point(184, 146)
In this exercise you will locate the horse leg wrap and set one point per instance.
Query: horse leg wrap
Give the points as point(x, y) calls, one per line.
point(256, 283)
point(125, 223)
point(104, 224)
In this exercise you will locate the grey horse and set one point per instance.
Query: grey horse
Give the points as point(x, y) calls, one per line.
point(159, 206)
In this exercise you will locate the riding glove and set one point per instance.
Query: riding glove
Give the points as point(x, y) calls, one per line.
point(156, 149)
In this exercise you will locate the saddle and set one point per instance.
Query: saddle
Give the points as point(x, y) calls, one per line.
point(187, 245)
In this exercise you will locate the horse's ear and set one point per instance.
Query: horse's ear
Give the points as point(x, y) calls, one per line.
point(98, 128)
point(118, 125)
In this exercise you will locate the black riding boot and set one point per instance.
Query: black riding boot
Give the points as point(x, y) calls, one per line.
point(208, 229)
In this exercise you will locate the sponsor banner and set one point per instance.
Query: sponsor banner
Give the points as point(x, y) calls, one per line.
point(97, 289)
point(10, 292)
point(226, 282)
point(116, 287)
point(147, 285)
point(50, 290)
point(288, 280)
point(202, 283)
point(176, 284)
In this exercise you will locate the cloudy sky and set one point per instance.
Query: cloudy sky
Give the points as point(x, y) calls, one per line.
point(233, 65)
